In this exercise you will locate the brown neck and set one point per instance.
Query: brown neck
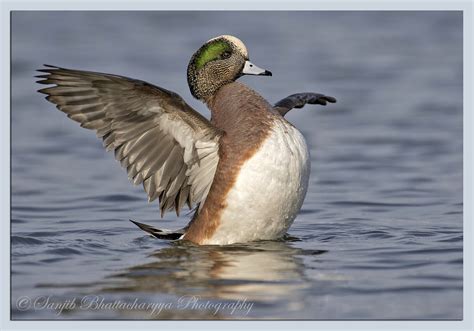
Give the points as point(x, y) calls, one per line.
point(237, 109)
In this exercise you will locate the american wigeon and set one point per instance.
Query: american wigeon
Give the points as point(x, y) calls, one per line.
point(246, 170)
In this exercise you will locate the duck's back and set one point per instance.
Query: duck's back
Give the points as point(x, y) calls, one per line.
point(262, 176)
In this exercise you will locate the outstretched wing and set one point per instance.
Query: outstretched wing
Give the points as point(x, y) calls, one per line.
point(298, 100)
point(160, 140)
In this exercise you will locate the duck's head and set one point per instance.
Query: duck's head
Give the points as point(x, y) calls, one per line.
point(218, 62)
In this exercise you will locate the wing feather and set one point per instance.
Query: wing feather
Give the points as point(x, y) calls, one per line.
point(163, 143)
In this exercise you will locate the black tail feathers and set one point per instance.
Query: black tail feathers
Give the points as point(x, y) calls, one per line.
point(161, 234)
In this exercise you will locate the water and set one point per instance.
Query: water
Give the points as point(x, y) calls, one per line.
point(379, 235)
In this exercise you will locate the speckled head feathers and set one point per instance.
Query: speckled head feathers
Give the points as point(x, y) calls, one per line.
point(218, 62)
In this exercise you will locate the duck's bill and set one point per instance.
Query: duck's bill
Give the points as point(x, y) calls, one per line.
point(252, 69)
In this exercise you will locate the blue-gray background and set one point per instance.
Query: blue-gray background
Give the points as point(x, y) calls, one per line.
point(379, 235)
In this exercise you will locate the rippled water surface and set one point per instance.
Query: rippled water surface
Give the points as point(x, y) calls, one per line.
point(379, 235)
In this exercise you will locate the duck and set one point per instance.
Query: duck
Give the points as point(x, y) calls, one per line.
point(243, 173)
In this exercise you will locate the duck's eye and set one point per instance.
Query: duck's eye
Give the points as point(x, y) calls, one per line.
point(225, 55)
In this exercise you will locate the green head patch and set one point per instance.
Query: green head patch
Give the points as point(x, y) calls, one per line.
point(212, 51)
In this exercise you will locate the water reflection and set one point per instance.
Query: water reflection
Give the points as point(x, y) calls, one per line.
point(263, 272)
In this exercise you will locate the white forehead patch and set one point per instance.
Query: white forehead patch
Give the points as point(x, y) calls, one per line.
point(236, 41)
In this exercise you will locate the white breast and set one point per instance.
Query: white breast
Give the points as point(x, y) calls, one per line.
point(269, 190)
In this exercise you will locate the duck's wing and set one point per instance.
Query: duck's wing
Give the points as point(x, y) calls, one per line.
point(161, 141)
point(298, 100)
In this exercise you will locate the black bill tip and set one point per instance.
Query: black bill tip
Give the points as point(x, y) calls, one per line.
point(266, 73)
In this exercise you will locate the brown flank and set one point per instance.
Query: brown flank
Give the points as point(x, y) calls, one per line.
point(246, 119)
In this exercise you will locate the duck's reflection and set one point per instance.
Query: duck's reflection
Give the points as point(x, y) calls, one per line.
point(262, 272)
